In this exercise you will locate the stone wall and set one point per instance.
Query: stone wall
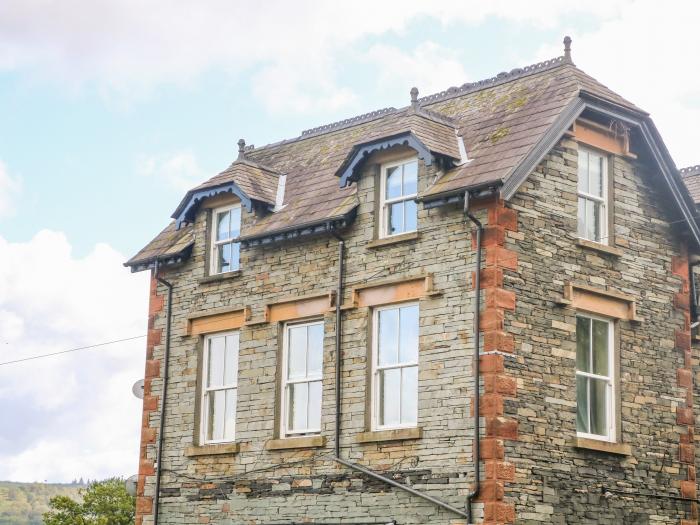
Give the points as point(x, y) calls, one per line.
point(259, 486)
point(555, 482)
point(532, 471)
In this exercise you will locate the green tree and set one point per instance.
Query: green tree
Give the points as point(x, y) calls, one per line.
point(103, 503)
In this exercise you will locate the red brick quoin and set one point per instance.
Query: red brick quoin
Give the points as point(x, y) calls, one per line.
point(144, 504)
point(684, 414)
point(497, 384)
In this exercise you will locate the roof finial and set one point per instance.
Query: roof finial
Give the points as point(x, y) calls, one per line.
point(241, 149)
point(414, 97)
point(567, 48)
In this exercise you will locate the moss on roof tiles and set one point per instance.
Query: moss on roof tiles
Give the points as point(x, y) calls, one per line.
point(500, 120)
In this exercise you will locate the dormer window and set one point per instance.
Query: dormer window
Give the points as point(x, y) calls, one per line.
point(399, 188)
point(225, 248)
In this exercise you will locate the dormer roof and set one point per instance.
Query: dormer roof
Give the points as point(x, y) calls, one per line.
point(429, 133)
point(247, 180)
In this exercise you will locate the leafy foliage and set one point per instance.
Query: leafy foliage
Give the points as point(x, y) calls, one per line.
point(103, 503)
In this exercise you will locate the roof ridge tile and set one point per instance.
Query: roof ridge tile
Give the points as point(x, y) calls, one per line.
point(690, 171)
point(352, 121)
point(501, 78)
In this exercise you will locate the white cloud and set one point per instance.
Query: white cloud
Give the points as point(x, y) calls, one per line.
point(292, 49)
point(429, 66)
point(9, 191)
point(648, 55)
point(71, 415)
point(180, 171)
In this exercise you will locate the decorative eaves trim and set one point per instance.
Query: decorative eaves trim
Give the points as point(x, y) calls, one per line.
point(638, 119)
point(163, 260)
point(186, 211)
point(304, 230)
point(359, 153)
point(659, 152)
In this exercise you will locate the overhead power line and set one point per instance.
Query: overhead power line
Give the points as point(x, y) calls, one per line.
point(72, 350)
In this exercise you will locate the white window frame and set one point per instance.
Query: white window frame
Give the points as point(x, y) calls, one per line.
point(611, 404)
point(204, 412)
point(375, 394)
point(385, 203)
point(602, 201)
point(284, 405)
point(215, 244)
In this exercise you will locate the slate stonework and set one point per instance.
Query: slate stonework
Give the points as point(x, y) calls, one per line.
point(533, 472)
point(556, 482)
point(258, 486)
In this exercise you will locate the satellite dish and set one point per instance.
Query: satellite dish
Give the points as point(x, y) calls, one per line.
point(130, 485)
point(137, 389)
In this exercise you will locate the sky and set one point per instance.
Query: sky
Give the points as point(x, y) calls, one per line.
point(111, 109)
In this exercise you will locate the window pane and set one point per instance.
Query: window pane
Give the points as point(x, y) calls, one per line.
point(315, 405)
point(408, 347)
point(231, 370)
point(582, 404)
point(235, 249)
point(592, 221)
point(296, 358)
point(388, 337)
point(230, 424)
point(235, 230)
point(215, 373)
point(599, 417)
point(396, 224)
point(217, 411)
point(581, 217)
point(410, 210)
point(410, 178)
point(393, 182)
point(409, 395)
point(595, 175)
point(315, 343)
point(583, 171)
point(223, 258)
point(389, 397)
point(583, 344)
point(600, 347)
point(222, 225)
point(298, 403)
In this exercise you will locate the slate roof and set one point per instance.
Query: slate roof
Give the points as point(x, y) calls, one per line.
point(500, 119)
point(171, 243)
point(258, 182)
point(691, 178)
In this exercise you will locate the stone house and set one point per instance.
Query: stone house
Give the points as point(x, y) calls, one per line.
point(312, 350)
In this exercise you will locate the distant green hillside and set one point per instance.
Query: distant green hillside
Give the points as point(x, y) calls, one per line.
point(25, 503)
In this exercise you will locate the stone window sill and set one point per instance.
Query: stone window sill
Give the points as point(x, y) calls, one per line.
point(602, 248)
point(620, 449)
point(295, 442)
point(394, 239)
point(398, 434)
point(212, 450)
point(220, 277)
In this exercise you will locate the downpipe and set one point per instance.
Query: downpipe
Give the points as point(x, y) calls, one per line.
point(476, 364)
point(164, 394)
point(338, 390)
